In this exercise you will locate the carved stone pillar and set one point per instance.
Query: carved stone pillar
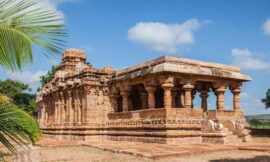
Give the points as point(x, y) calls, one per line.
point(143, 97)
point(69, 107)
point(174, 94)
point(188, 94)
point(204, 95)
point(86, 104)
point(46, 117)
point(76, 106)
point(80, 108)
point(167, 87)
point(125, 103)
point(220, 89)
point(83, 106)
point(113, 98)
point(151, 97)
point(42, 114)
point(182, 98)
point(55, 109)
point(236, 90)
point(63, 112)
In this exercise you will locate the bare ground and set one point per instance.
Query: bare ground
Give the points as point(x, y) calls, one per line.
point(89, 154)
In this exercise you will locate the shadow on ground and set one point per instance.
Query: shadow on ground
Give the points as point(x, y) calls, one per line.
point(254, 159)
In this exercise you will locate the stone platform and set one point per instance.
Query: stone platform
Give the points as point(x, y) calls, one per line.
point(160, 151)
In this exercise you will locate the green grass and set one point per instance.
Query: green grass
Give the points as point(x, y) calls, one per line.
point(260, 126)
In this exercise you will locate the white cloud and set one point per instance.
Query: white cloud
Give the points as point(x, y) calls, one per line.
point(162, 37)
point(28, 77)
point(252, 105)
point(248, 60)
point(266, 27)
point(54, 4)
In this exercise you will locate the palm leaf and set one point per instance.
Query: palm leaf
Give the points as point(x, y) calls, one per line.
point(25, 24)
point(17, 128)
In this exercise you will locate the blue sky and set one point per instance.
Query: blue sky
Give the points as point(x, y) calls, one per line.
point(122, 33)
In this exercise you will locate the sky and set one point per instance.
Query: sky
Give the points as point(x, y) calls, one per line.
point(122, 33)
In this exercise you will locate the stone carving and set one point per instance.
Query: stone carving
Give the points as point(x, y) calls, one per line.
point(152, 101)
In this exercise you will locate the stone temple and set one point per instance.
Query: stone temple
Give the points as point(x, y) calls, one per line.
point(149, 102)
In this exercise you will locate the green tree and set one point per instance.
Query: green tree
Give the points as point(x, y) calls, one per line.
point(266, 100)
point(25, 24)
point(26, 102)
point(48, 77)
point(11, 88)
point(16, 91)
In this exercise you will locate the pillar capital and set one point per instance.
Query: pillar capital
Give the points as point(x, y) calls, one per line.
point(150, 82)
point(204, 94)
point(168, 86)
point(150, 89)
point(87, 89)
point(220, 85)
point(166, 79)
point(187, 87)
point(187, 81)
point(125, 86)
point(69, 93)
point(61, 95)
point(124, 93)
point(220, 90)
point(235, 87)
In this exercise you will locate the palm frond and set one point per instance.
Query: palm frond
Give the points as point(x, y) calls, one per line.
point(17, 128)
point(25, 24)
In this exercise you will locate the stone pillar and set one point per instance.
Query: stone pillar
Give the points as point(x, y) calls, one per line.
point(75, 106)
point(59, 110)
point(42, 114)
point(84, 105)
point(46, 117)
point(204, 95)
point(63, 112)
point(58, 101)
point(151, 97)
point(167, 87)
point(143, 97)
point(113, 99)
point(125, 103)
point(88, 103)
point(79, 104)
point(182, 98)
point(69, 107)
point(220, 98)
point(174, 94)
point(236, 90)
point(56, 108)
point(188, 94)
point(220, 88)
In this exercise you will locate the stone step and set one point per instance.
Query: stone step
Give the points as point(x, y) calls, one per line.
point(225, 129)
point(229, 133)
point(233, 141)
